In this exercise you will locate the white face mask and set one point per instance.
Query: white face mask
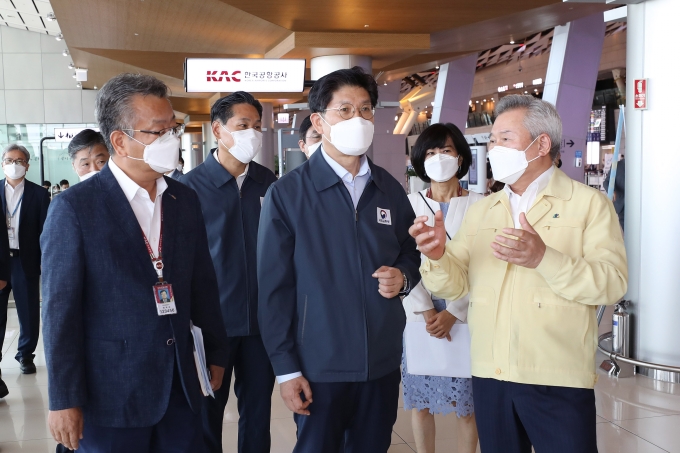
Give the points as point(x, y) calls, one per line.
point(180, 167)
point(14, 171)
point(88, 175)
point(161, 155)
point(311, 149)
point(441, 167)
point(247, 144)
point(509, 164)
point(351, 137)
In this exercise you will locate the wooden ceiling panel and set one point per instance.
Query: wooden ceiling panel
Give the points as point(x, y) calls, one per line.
point(385, 16)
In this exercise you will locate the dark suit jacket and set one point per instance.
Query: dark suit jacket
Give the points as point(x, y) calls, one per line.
point(106, 348)
point(176, 175)
point(5, 273)
point(32, 214)
point(231, 218)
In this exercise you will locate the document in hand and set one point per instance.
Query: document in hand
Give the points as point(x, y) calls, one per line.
point(430, 356)
point(199, 358)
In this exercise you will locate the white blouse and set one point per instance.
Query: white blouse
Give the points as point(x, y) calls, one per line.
point(420, 299)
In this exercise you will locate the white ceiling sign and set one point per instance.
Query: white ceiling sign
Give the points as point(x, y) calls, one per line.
point(66, 135)
point(255, 75)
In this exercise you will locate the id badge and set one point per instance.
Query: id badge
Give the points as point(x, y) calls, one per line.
point(165, 299)
point(10, 233)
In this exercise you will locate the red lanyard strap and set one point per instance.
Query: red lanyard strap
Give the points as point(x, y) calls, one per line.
point(156, 261)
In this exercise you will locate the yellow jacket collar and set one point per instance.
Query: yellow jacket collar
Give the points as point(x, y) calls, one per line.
point(560, 186)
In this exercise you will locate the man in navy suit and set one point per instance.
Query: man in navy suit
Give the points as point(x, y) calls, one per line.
point(25, 206)
point(120, 362)
point(231, 186)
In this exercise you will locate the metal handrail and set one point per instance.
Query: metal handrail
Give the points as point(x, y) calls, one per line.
point(619, 358)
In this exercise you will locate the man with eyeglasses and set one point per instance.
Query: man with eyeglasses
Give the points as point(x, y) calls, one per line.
point(334, 255)
point(127, 271)
point(310, 139)
point(25, 206)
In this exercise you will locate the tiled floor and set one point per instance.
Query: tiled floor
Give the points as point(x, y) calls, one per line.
point(635, 415)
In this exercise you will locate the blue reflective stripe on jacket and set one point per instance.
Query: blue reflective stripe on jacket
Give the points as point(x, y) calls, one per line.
point(231, 220)
point(320, 309)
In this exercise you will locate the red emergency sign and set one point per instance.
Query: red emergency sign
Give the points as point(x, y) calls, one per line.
point(640, 94)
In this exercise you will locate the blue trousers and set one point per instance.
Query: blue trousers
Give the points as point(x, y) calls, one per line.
point(27, 298)
point(253, 386)
point(361, 413)
point(512, 417)
point(179, 431)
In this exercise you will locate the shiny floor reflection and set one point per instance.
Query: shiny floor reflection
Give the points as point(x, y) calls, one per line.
point(635, 415)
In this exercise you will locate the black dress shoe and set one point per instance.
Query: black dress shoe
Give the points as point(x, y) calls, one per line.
point(4, 391)
point(27, 366)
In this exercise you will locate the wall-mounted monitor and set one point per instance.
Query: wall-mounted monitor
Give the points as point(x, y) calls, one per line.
point(256, 75)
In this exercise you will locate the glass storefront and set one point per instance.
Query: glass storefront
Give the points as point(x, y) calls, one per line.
point(57, 163)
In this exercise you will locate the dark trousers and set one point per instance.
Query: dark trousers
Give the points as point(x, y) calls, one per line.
point(512, 417)
point(179, 431)
point(253, 386)
point(363, 413)
point(27, 298)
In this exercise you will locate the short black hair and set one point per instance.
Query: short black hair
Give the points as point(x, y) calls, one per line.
point(304, 127)
point(64, 182)
point(84, 139)
point(47, 183)
point(435, 136)
point(322, 92)
point(223, 108)
point(181, 159)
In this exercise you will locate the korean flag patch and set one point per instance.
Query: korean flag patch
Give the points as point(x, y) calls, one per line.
point(384, 216)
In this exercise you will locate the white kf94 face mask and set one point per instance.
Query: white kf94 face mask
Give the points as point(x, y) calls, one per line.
point(441, 167)
point(351, 137)
point(14, 171)
point(509, 164)
point(162, 155)
point(311, 149)
point(247, 144)
point(88, 175)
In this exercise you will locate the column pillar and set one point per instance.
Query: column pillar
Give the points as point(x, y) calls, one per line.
point(570, 83)
point(321, 66)
point(454, 90)
point(389, 150)
point(266, 155)
point(652, 160)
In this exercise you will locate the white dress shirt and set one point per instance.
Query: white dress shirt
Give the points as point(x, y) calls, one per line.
point(522, 204)
point(241, 177)
point(147, 211)
point(12, 199)
point(355, 186)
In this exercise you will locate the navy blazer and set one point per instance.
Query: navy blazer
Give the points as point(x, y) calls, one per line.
point(106, 348)
point(320, 309)
point(176, 175)
point(32, 214)
point(232, 217)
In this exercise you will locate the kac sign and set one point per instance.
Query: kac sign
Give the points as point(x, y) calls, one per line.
point(248, 74)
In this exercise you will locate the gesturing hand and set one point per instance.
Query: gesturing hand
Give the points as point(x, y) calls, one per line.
point(290, 393)
point(390, 281)
point(526, 251)
point(66, 426)
point(431, 240)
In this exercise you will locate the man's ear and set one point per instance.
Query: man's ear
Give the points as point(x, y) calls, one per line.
point(317, 122)
point(118, 141)
point(216, 129)
point(544, 145)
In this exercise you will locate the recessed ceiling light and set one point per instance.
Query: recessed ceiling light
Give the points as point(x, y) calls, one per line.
point(366, 26)
point(436, 67)
point(136, 34)
point(59, 37)
point(74, 75)
point(95, 87)
point(51, 17)
point(79, 85)
point(484, 100)
point(71, 65)
point(512, 42)
point(65, 53)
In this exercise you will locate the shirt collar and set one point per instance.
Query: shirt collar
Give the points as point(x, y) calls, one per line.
point(131, 188)
point(242, 175)
point(537, 186)
point(342, 173)
point(19, 186)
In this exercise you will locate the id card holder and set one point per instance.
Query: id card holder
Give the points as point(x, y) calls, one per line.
point(165, 299)
point(10, 233)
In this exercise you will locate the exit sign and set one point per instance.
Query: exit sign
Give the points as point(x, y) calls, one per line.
point(640, 94)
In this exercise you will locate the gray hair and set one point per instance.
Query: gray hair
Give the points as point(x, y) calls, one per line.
point(17, 147)
point(541, 118)
point(113, 108)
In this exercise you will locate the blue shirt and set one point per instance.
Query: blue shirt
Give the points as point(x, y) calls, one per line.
point(355, 184)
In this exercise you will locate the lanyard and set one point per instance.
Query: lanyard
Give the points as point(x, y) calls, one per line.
point(11, 216)
point(156, 261)
point(429, 195)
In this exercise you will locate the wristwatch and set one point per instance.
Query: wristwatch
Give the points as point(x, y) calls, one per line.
point(407, 287)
